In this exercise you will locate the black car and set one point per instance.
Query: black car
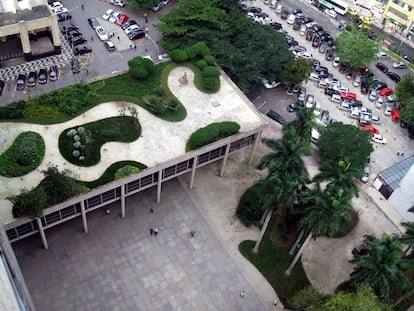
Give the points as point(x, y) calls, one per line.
point(409, 59)
point(296, 11)
point(73, 33)
point(394, 76)
point(354, 103)
point(342, 67)
point(297, 24)
point(93, 22)
point(32, 79)
point(137, 34)
point(403, 124)
point(21, 82)
point(78, 40)
point(2, 87)
point(364, 87)
point(254, 9)
point(53, 73)
point(128, 23)
point(317, 28)
point(275, 25)
point(410, 129)
point(68, 28)
point(284, 15)
point(293, 43)
point(316, 41)
point(42, 76)
point(330, 91)
point(74, 65)
point(275, 116)
point(382, 67)
point(82, 50)
point(329, 54)
point(64, 16)
point(309, 35)
point(307, 20)
point(291, 108)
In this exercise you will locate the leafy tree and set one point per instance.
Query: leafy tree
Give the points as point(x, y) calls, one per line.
point(302, 125)
point(408, 236)
point(404, 90)
point(407, 111)
point(354, 47)
point(362, 300)
point(140, 67)
point(296, 72)
point(145, 4)
point(383, 267)
point(29, 203)
point(307, 299)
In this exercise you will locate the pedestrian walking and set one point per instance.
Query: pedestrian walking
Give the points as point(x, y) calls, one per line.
point(402, 154)
point(398, 152)
point(276, 302)
point(146, 29)
point(242, 293)
point(83, 7)
point(108, 211)
point(155, 231)
point(135, 46)
point(146, 48)
point(152, 210)
point(146, 18)
point(119, 39)
point(151, 230)
point(92, 38)
point(193, 232)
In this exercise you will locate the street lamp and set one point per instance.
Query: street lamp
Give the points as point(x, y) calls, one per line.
point(156, 46)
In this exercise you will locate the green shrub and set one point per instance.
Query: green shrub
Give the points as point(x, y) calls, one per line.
point(29, 203)
point(209, 59)
point(211, 133)
point(126, 171)
point(109, 134)
point(36, 110)
point(211, 83)
point(14, 110)
point(151, 100)
point(201, 64)
point(160, 91)
point(210, 71)
point(23, 156)
point(178, 56)
point(201, 49)
point(158, 108)
point(140, 68)
point(191, 52)
point(249, 209)
point(172, 103)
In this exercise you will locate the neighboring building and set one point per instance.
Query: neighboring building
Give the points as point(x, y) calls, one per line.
point(22, 24)
point(396, 184)
point(399, 15)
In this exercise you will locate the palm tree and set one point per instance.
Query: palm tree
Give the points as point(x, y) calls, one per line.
point(383, 267)
point(303, 125)
point(408, 237)
point(326, 212)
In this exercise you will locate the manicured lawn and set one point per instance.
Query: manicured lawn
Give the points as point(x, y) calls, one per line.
point(272, 261)
point(122, 129)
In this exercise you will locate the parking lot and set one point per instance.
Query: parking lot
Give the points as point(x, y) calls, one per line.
point(276, 99)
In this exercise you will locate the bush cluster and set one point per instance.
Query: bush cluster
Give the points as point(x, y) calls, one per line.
point(69, 100)
point(23, 156)
point(126, 171)
point(14, 110)
point(159, 103)
point(140, 68)
point(249, 209)
point(81, 141)
point(211, 133)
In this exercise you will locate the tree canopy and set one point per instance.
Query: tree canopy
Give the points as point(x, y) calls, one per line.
point(354, 47)
point(404, 90)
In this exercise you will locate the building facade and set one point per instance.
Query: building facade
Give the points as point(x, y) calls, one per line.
point(399, 15)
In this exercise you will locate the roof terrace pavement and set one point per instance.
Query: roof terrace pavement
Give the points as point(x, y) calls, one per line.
point(160, 140)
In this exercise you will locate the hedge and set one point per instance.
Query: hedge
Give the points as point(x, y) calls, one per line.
point(211, 133)
point(249, 209)
point(14, 110)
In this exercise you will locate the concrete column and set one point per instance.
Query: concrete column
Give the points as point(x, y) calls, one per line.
point(55, 31)
point(258, 135)
point(24, 38)
point(42, 233)
point(123, 201)
point(159, 183)
point(193, 171)
point(83, 214)
point(226, 155)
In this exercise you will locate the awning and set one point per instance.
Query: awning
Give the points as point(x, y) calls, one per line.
point(392, 20)
point(404, 27)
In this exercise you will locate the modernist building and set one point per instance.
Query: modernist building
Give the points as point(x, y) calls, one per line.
point(22, 24)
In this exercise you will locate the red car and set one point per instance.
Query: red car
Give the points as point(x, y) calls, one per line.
point(121, 19)
point(370, 128)
point(385, 92)
point(348, 95)
point(395, 115)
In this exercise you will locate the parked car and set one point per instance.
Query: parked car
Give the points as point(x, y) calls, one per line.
point(53, 73)
point(309, 101)
point(82, 50)
point(129, 23)
point(365, 177)
point(394, 76)
point(382, 67)
point(373, 95)
point(379, 139)
point(21, 82)
point(275, 116)
point(385, 92)
point(348, 95)
point(107, 14)
point(331, 13)
point(74, 65)
point(109, 45)
point(316, 41)
point(122, 19)
point(395, 115)
point(379, 85)
point(78, 40)
point(93, 22)
point(317, 109)
point(64, 16)
point(114, 17)
point(102, 34)
point(68, 28)
point(136, 34)
point(399, 65)
point(379, 102)
point(119, 3)
point(32, 79)
point(42, 76)
point(382, 55)
point(131, 29)
point(388, 109)
point(329, 54)
point(325, 116)
point(370, 128)
point(357, 80)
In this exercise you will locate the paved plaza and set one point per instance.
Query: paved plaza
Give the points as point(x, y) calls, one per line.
point(120, 266)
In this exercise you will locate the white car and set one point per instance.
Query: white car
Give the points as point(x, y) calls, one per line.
point(399, 65)
point(377, 138)
point(336, 98)
point(60, 10)
point(291, 19)
point(366, 174)
point(336, 61)
point(375, 119)
point(309, 101)
point(56, 5)
point(373, 95)
point(317, 109)
point(270, 84)
point(119, 3)
point(388, 109)
point(131, 29)
point(345, 106)
point(114, 17)
point(102, 34)
point(331, 13)
point(380, 102)
point(107, 14)
point(305, 55)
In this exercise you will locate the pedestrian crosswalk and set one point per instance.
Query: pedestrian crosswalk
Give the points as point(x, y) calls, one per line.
point(10, 73)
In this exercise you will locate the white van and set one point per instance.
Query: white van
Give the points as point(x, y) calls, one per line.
point(279, 9)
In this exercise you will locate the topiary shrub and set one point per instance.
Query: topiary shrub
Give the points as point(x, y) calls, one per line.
point(201, 64)
point(201, 49)
point(249, 209)
point(191, 52)
point(158, 108)
point(211, 133)
point(178, 55)
point(172, 103)
point(210, 71)
point(140, 68)
point(211, 83)
point(209, 59)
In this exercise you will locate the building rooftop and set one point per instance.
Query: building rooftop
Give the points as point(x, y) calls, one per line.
point(10, 18)
point(393, 175)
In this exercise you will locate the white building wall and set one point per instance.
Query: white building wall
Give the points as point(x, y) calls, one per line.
point(15, 5)
point(402, 198)
point(7, 298)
